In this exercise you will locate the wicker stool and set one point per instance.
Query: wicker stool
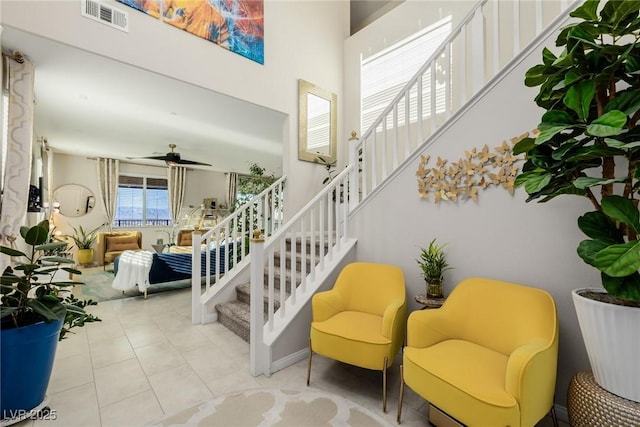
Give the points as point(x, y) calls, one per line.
point(589, 405)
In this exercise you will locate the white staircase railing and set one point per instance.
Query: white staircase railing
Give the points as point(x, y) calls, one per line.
point(318, 233)
point(469, 58)
point(264, 211)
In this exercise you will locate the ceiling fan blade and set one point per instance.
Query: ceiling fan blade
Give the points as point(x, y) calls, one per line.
point(150, 157)
point(191, 162)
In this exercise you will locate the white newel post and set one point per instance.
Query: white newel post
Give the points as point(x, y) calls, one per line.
point(256, 344)
point(353, 190)
point(196, 281)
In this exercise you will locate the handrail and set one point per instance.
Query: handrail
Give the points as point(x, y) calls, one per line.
point(264, 211)
point(470, 57)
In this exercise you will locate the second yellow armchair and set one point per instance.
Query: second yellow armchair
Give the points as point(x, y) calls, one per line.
point(361, 321)
point(488, 357)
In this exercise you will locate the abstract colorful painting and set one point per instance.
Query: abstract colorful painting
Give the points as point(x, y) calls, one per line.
point(150, 7)
point(237, 25)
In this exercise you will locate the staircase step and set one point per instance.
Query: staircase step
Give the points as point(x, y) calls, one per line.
point(243, 294)
point(235, 316)
point(298, 260)
point(308, 245)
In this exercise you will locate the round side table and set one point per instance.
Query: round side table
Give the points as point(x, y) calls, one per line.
point(589, 405)
point(429, 302)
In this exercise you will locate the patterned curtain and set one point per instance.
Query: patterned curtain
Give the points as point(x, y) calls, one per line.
point(17, 171)
point(232, 188)
point(108, 172)
point(176, 177)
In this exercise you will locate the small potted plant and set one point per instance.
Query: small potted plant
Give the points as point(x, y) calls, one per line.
point(36, 312)
point(84, 242)
point(433, 264)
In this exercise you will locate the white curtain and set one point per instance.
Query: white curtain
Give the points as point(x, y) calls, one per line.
point(232, 188)
point(108, 173)
point(176, 182)
point(17, 146)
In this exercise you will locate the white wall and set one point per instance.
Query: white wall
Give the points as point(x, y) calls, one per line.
point(303, 40)
point(500, 236)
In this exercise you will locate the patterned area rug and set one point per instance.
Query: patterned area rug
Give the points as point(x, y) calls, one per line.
point(275, 408)
point(97, 286)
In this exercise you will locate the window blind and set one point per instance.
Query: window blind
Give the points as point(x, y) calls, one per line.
point(385, 73)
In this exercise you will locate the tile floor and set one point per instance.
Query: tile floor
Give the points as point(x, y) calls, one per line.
point(146, 359)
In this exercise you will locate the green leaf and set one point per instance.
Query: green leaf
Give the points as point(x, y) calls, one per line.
point(623, 287)
point(614, 143)
point(588, 249)
point(579, 97)
point(51, 246)
point(523, 146)
point(553, 122)
point(547, 56)
point(622, 10)
point(599, 226)
point(632, 65)
point(57, 259)
point(11, 252)
point(537, 182)
point(628, 102)
point(588, 10)
point(46, 309)
point(621, 209)
point(5, 311)
point(36, 235)
point(536, 75)
point(608, 124)
point(584, 33)
point(619, 260)
point(587, 181)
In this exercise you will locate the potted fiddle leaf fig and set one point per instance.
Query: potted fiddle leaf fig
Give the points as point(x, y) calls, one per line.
point(433, 264)
point(589, 145)
point(37, 311)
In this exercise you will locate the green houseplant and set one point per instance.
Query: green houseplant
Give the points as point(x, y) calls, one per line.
point(84, 241)
point(36, 311)
point(589, 145)
point(433, 264)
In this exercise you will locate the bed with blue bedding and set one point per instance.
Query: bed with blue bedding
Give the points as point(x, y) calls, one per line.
point(170, 267)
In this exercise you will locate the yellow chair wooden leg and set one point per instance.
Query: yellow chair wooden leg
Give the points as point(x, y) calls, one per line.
point(401, 395)
point(309, 365)
point(384, 386)
point(554, 418)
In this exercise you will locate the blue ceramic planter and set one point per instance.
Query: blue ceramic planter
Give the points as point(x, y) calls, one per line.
point(26, 361)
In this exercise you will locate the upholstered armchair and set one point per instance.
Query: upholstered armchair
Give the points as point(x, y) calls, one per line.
point(362, 320)
point(488, 357)
point(111, 244)
point(185, 236)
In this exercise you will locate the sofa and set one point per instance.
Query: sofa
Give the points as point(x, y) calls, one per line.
point(111, 244)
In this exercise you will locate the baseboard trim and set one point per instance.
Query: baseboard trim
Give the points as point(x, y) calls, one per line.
point(289, 360)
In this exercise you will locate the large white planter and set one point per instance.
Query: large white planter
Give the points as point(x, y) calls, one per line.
point(611, 335)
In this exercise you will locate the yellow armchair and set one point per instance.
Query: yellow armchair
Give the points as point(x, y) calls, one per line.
point(487, 357)
point(361, 321)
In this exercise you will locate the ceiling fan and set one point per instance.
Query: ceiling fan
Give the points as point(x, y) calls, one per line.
point(173, 158)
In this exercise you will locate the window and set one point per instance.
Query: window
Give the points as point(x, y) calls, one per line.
point(384, 74)
point(142, 201)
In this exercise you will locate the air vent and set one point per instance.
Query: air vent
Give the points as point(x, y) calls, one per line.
point(106, 14)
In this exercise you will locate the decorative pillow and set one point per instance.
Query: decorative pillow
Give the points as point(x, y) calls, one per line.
point(122, 243)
